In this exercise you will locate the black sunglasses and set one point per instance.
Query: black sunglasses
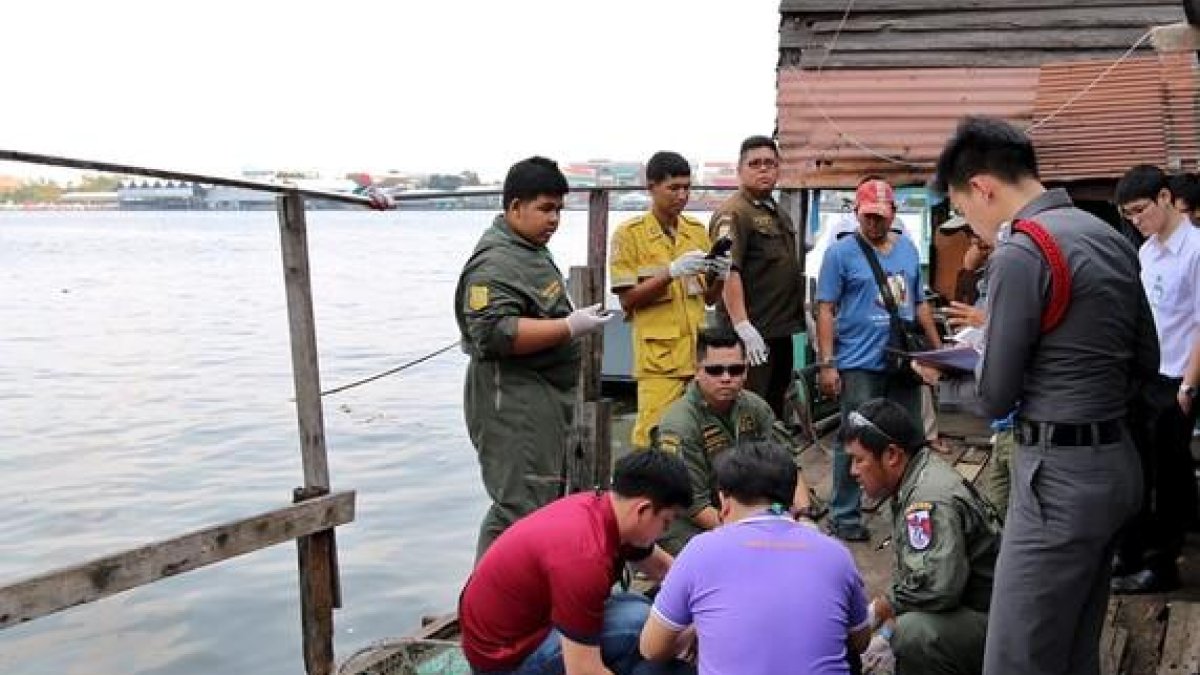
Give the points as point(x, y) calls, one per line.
point(717, 369)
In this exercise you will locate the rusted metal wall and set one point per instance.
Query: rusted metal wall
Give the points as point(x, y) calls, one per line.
point(1142, 112)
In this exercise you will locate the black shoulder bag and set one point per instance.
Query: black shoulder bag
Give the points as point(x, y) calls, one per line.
point(904, 337)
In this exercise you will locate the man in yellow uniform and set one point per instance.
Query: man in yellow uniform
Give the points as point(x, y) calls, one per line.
point(663, 279)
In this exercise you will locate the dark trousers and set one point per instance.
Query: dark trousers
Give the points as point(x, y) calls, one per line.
point(771, 379)
point(1163, 436)
point(1051, 585)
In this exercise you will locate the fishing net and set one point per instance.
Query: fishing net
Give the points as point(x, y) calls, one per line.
point(408, 656)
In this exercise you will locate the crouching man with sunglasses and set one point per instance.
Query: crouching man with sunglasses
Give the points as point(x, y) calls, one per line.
point(946, 537)
point(714, 414)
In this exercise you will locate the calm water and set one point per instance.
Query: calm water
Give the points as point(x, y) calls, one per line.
point(145, 380)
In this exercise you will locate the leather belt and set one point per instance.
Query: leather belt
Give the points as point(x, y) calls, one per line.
point(1072, 435)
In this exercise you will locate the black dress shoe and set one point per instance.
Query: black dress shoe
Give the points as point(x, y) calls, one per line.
point(1145, 581)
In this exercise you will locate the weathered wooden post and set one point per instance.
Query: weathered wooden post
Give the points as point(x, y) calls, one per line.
point(593, 456)
point(317, 553)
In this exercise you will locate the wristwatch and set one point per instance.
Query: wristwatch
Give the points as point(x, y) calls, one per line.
point(826, 363)
point(1188, 390)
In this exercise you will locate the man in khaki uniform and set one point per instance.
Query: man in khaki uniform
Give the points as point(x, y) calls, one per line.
point(663, 279)
point(946, 537)
point(763, 298)
point(715, 413)
point(519, 328)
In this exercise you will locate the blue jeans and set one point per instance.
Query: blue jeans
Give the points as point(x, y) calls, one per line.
point(858, 387)
point(624, 616)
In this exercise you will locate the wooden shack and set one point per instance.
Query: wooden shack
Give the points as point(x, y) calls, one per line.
point(877, 86)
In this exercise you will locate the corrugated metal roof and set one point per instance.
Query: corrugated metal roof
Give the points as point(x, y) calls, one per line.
point(906, 115)
point(1142, 112)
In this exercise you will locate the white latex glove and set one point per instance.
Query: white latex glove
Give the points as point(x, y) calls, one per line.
point(588, 319)
point(878, 659)
point(756, 348)
point(380, 200)
point(692, 262)
point(720, 266)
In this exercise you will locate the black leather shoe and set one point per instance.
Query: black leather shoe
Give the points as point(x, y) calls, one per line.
point(849, 532)
point(1145, 581)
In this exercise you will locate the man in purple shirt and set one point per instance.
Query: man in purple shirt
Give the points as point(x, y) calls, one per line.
point(763, 593)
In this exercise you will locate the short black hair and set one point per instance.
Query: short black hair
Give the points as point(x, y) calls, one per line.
point(984, 145)
point(720, 338)
point(757, 471)
point(531, 178)
point(754, 142)
point(1186, 188)
point(658, 476)
point(665, 165)
point(890, 424)
point(1143, 181)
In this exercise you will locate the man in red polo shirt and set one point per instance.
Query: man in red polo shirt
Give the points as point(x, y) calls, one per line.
point(540, 600)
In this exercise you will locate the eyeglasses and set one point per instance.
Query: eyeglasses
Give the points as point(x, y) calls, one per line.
point(719, 369)
point(1136, 209)
point(857, 421)
point(763, 163)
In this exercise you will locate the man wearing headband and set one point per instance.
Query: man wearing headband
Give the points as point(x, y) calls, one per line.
point(946, 537)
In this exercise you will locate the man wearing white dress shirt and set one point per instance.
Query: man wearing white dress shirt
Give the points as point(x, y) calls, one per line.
point(1164, 414)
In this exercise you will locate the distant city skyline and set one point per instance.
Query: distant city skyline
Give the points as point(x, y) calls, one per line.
point(378, 85)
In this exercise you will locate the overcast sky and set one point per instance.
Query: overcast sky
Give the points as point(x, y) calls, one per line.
point(436, 85)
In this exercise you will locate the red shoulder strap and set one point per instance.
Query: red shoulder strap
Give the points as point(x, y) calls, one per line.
point(1060, 274)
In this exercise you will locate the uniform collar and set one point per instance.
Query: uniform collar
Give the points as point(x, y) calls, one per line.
point(767, 203)
point(506, 232)
point(696, 396)
point(916, 466)
point(1056, 198)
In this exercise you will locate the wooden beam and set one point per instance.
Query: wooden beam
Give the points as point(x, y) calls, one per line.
point(1046, 39)
point(803, 7)
point(1177, 37)
point(61, 589)
point(1062, 17)
point(317, 555)
point(598, 229)
point(1181, 645)
point(293, 234)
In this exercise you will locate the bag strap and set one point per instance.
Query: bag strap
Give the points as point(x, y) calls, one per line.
point(1060, 274)
point(884, 290)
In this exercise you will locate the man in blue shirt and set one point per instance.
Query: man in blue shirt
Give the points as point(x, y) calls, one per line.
point(853, 329)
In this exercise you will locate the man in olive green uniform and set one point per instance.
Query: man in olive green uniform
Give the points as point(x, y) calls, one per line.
point(714, 413)
point(763, 298)
point(946, 537)
point(519, 328)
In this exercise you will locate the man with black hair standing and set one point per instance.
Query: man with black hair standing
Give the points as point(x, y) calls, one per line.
point(764, 594)
point(660, 271)
point(1164, 410)
point(763, 298)
point(540, 600)
point(1057, 348)
point(946, 537)
point(520, 330)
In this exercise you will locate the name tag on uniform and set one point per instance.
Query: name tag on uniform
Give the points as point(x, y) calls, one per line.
point(477, 297)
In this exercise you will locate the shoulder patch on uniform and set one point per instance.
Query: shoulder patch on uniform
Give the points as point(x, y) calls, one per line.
point(746, 423)
point(919, 506)
point(669, 443)
point(723, 226)
point(552, 290)
point(477, 297)
point(920, 528)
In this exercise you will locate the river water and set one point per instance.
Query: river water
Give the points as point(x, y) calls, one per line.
point(145, 379)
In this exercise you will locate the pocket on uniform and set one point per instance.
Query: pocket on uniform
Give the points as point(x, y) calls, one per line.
point(1027, 480)
point(663, 350)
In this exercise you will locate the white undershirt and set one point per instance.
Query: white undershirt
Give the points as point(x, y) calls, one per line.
point(1171, 278)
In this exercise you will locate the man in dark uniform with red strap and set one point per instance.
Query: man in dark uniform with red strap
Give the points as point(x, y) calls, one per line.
point(1076, 478)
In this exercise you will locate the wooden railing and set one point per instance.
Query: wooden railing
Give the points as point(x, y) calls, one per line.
point(311, 519)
